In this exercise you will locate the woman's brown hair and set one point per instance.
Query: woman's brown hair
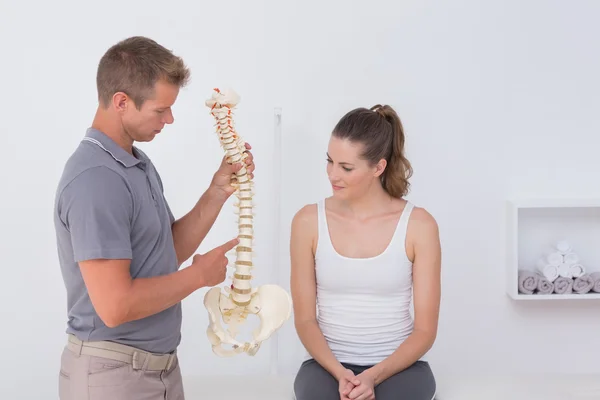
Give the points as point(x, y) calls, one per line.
point(381, 132)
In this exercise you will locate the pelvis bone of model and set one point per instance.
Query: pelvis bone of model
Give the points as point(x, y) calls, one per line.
point(271, 303)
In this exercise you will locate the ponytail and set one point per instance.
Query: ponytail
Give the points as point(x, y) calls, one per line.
point(395, 178)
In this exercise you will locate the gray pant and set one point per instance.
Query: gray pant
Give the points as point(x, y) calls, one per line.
point(416, 382)
point(94, 377)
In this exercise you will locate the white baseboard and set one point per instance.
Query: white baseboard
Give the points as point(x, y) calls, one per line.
point(450, 387)
point(246, 387)
point(518, 387)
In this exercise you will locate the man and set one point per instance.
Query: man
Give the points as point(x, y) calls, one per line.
point(120, 247)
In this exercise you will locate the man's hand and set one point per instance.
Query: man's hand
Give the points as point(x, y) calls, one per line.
point(190, 230)
point(118, 298)
point(347, 382)
point(365, 390)
point(222, 179)
point(212, 266)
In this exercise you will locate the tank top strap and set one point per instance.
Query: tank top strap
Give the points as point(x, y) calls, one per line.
point(402, 228)
point(321, 209)
point(323, 229)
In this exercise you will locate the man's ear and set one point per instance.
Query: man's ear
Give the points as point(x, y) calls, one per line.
point(380, 167)
point(120, 102)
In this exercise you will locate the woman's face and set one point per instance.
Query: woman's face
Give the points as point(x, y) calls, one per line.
point(350, 175)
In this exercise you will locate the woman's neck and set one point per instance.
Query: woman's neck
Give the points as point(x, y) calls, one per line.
point(372, 202)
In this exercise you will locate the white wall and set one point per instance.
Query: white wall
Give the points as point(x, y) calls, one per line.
point(488, 92)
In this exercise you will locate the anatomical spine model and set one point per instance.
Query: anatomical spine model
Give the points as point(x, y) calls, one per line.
point(271, 303)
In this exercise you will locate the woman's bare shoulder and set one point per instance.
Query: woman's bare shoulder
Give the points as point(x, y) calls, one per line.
point(307, 213)
point(423, 218)
point(306, 218)
point(422, 226)
point(305, 226)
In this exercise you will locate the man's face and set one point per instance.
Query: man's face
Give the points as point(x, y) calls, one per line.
point(143, 124)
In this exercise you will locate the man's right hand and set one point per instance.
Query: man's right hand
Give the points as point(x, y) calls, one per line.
point(212, 266)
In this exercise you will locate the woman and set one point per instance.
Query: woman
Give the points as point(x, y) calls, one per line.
point(357, 259)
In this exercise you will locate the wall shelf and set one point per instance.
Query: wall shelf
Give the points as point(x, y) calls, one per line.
point(533, 297)
point(534, 226)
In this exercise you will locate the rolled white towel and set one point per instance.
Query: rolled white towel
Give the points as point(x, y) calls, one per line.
point(563, 285)
point(553, 258)
point(528, 281)
point(583, 285)
point(571, 258)
point(596, 277)
point(548, 271)
point(563, 247)
point(544, 286)
point(564, 270)
point(576, 270)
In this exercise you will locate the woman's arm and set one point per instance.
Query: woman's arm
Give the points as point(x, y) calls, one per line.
point(425, 242)
point(303, 289)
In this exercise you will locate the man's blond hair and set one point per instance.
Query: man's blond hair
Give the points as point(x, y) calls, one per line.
point(133, 66)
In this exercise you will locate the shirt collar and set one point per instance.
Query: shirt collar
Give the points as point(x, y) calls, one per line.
point(111, 147)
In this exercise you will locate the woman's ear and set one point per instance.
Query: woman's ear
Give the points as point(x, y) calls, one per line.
point(380, 167)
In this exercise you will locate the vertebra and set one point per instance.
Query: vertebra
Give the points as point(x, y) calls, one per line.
point(271, 303)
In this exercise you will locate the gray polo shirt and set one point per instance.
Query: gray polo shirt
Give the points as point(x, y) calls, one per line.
point(110, 204)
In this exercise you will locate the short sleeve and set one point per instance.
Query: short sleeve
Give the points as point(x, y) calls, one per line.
point(162, 192)
point(97, 209)
point(171, 216)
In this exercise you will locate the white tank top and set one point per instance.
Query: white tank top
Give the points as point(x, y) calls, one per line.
point(363, 303)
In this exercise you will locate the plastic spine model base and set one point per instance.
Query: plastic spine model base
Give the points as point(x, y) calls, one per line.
point(271, 303)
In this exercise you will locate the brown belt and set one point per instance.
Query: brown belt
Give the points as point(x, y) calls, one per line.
point(139, 359)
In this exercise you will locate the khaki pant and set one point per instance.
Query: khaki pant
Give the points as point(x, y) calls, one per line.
point(110, 371)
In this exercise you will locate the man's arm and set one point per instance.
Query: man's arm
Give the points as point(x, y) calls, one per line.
point(117, 298)
point(190, 230)
point(97, 209)
point(427, 292)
